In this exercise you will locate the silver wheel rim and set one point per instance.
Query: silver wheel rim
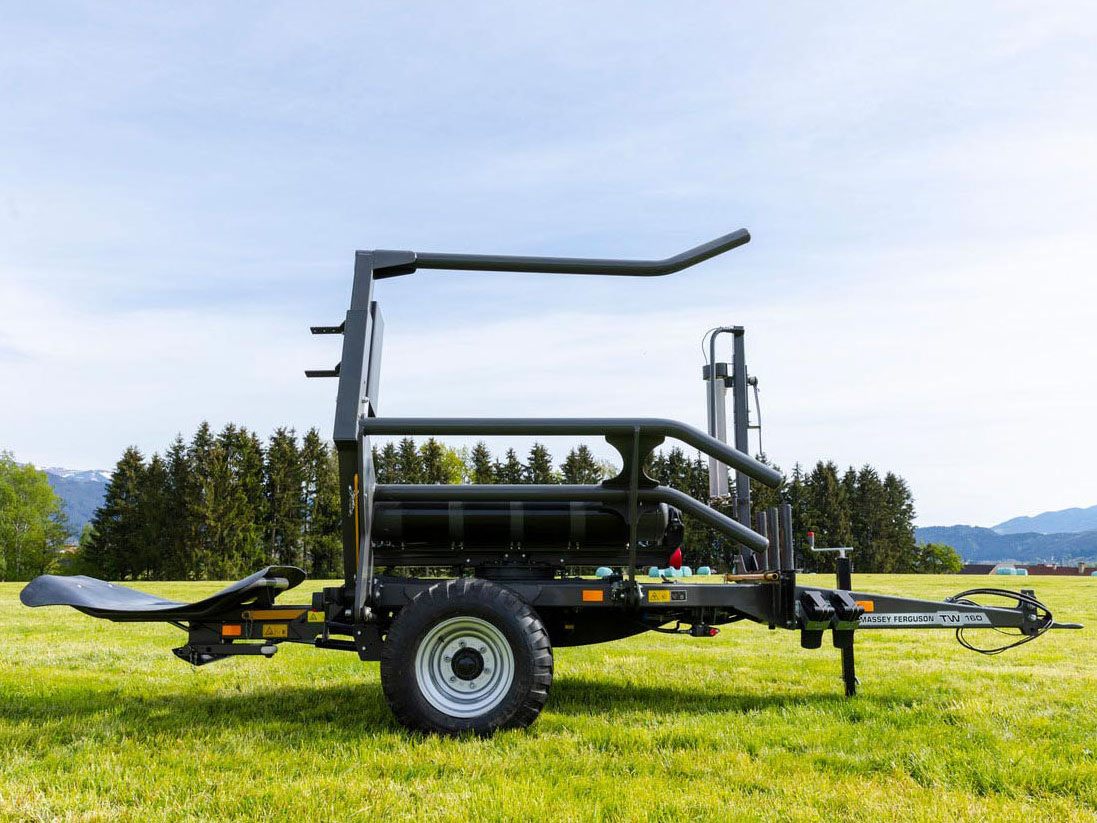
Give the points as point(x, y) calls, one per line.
point(461, 695)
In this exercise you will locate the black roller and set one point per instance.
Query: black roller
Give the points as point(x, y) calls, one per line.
point(425, 532)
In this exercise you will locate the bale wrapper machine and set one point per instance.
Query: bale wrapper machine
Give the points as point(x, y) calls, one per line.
point(474, 651)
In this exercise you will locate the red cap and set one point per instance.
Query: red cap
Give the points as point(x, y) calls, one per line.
point(676, 558)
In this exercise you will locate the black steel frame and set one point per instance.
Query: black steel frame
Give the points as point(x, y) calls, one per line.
point(357, 407)
point(765, 589)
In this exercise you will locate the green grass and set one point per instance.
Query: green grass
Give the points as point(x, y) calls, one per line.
point(99, 721)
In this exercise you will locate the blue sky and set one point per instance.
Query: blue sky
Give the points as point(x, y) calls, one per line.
point(182, 189)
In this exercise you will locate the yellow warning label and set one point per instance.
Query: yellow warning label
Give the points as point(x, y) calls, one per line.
point(316, 617)
point(658, 595)
point(593, 596)
point(867, 605)
point(275, 630)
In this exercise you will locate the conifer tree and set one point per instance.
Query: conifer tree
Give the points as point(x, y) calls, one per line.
point(284, 484)
point(581, 467)
point(511, 469)
point(796, 501)
point(231, 503)
point(248, 472)
point(898, 530)
point(827, 513)
point(409, 466)
point(867, 517)
point(200, 460)
point(386, 464)
point(440, 464)
point(152, 516)
point(117, 535)
point(177, 537)
point(320, 539)
point(539, 468)
point(481, 470)
point(674, 469)
point(220, 510)
point(762, 497)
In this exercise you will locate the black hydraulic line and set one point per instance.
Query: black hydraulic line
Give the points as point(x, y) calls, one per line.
point(1042, 619)
point(561, 265)
point(602, 494)
point(576, 426)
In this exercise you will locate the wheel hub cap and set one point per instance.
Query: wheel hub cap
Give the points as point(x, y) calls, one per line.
point(468, 664)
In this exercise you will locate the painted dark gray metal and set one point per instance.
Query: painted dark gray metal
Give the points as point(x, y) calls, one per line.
point(717, 381)
point(741, 422)
point(406, 262)
point(773, 557)
point(601, 426)
point(114, 601)
point(787, 558)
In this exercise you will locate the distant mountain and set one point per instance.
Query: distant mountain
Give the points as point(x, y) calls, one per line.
point(979, 545)
point(1060, 522)
point(81, 493)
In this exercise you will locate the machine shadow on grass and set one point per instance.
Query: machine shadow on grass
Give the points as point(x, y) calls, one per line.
point(589, 696)
point(351, 711)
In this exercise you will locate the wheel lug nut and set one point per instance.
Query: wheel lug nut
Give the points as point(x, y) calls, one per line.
point(483, 649)
point(447, 658)
point(453, 680)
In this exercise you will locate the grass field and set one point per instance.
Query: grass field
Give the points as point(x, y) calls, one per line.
point(101, 722)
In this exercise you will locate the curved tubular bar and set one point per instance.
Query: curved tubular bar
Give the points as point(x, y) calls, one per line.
point(567, 493)
point(565, 265)
point(601, 426)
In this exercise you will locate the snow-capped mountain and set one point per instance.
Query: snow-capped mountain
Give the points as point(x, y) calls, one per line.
point(89, 475)
point(81, 492)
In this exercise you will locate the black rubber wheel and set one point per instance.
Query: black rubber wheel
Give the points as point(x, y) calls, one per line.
point(466, 656)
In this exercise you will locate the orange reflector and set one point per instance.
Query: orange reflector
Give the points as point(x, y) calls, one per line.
point(867, 605)
point(230, 630)
point(593, 595)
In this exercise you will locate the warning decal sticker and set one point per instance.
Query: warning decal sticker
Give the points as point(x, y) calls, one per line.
point(666, 595)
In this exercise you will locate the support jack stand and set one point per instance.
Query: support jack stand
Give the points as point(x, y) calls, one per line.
point(847, 613)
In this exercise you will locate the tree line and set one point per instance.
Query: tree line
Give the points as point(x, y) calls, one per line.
point(218, 507)
point(856, 508)
point(225, 504)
